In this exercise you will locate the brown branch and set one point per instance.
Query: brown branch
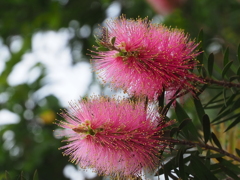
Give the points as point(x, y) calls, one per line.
point(222, 83)
point(221, 151)
point(205, 146)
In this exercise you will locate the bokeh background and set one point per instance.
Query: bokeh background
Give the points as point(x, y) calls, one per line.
point(44, 65)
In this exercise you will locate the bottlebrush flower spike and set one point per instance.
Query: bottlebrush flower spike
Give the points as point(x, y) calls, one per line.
point(165, 7)
point(113, 137)
point(144, 58)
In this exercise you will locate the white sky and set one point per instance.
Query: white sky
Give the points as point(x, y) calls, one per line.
point(63, 80)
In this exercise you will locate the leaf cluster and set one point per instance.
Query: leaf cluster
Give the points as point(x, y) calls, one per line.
point(216, 112)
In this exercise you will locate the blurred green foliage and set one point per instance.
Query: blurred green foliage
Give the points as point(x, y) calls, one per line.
point(33, 145)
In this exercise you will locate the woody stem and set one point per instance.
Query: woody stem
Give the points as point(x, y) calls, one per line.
point(205, 146)
point(222, 83)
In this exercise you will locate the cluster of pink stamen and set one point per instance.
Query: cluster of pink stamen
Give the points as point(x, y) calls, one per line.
point(122, 137)
point(146, 58)
point(113, 136)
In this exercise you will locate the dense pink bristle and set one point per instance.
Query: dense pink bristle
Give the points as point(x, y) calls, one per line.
point(157, 58)
point(126, 137)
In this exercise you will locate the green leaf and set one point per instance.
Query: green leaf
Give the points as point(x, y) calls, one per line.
point(200, 170)
point(199, 109)
point(215, 155)
point(230, 173)
point(200, 59)
point(216, 141)
point(161, 99)
point(105, 34)
point(235, 105)
point(229, 165)
point(226, 67)
point(210, 64)
point(206, 127)
point(167, 166)
point(182, 115)
point(224, 96)
point(215, 167)
point(215, 97)
point(102, 49)
point(232, 78)
point(231, 106)
point(97, 40)
point(35, 175)
point(180, 163)
point(22, 176)
point(200, 38)
point(165, 109)
point(225, 59)
point(214, 106)
point(7, 176)
point(184, 123)
point(226, 119)
point(234, 123)
point(220, 116)
point(180, 112)
point(201, 90)
point(204, 72)
point(234, 90)
point(237, 151)
point(112, 40)
point(200, 149)
point(227, 103)
point(166, 176)
point(239, 53)
point(238, 71)
point(207, 159)
point(173, 131)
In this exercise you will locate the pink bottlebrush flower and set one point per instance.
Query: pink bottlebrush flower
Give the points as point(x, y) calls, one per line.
point(112, 136)
point(146, 58)
point(165, 7)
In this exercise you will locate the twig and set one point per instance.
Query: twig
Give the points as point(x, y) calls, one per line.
point(205, 146)
point(222, 83)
